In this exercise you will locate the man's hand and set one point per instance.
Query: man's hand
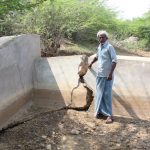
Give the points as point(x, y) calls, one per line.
point(111, 72)
point(109, 77)
point(89, 66)
point(94, 60)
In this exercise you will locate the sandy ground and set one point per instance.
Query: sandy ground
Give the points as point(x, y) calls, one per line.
point(74, 130)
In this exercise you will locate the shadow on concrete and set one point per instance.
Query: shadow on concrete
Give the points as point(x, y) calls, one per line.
point(47, 92)
point(123, 103)
point(93, 72)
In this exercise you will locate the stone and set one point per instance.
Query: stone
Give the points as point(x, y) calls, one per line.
point(75, 131)
point(49, 147)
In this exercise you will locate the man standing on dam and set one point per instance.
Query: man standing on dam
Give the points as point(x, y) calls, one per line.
point(106, 57)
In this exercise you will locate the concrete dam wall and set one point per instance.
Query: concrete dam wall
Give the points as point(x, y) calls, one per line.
point(17, 56)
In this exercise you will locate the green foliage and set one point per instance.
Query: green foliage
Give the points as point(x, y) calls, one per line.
point(9, 6)
point(142, 29)
point(10, 11)
point(78, 20)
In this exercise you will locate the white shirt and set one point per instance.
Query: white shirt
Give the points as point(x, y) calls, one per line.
point(106, 55)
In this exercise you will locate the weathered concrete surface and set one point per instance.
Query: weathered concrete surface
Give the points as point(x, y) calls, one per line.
point(131, 89)
point(17, 55)
point(56, 77)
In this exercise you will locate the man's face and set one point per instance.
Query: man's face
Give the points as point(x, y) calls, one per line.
point(102, 38)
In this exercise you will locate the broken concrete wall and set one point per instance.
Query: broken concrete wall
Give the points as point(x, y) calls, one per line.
point(17, 55)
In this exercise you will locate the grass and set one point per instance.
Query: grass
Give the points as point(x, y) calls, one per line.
point(80, 47)
point(85, 47)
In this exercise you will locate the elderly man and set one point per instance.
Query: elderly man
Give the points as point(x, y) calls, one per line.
point(107, 60)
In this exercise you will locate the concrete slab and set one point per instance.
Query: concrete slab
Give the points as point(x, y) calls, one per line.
point(131, 89)
point(54, 80)
point(55, 77)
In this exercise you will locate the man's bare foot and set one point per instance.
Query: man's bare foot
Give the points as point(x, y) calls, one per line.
point(109, 120)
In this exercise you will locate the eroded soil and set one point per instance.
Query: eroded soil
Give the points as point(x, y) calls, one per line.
point(74, 130)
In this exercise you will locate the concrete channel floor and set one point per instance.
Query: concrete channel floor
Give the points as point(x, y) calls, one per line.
point(56, 76)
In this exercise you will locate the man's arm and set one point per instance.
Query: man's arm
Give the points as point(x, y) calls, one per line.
point(92, 62)
point(114, 61)
point(112, 70)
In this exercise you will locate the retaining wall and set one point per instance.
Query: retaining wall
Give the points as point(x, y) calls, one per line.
point(17, 56)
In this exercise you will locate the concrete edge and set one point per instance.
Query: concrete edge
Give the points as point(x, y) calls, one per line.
point(12, 38)
point(135, 58)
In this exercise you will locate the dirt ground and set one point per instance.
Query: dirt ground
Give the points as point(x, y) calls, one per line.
point(76, 130)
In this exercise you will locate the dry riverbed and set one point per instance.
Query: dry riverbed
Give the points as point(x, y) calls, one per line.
point(73, 130)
